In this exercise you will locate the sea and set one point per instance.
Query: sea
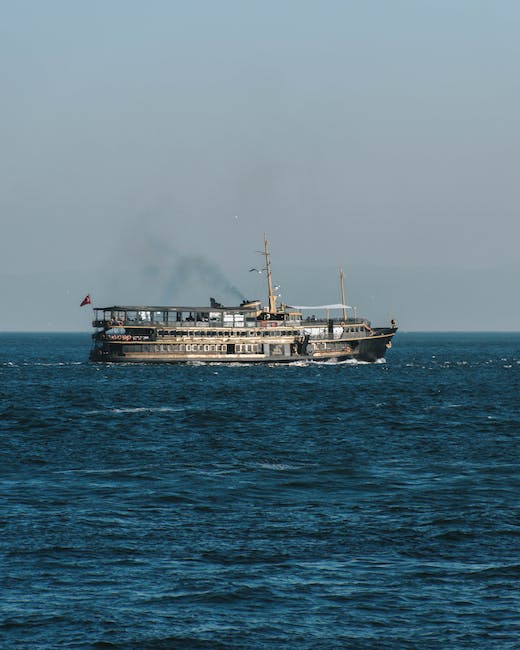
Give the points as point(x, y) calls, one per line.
point(333, 505)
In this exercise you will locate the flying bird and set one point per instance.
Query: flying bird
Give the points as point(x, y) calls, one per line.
point(257, 270)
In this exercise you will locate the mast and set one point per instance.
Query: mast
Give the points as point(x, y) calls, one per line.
point(272, 297)
point(342, 278)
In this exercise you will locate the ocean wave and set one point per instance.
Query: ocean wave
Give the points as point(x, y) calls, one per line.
point(278, 467)
point(348, 362)
point(47, 364)
point(107, 470)
point(136, 409)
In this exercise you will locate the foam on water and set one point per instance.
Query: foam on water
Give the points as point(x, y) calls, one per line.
point(135, 409)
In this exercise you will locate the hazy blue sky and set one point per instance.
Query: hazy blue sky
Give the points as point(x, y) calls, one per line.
point(380, 136)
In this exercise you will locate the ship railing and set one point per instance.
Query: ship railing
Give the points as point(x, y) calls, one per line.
point(174, 323)
point(311, 321)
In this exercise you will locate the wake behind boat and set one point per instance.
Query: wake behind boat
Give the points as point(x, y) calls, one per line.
point(249, 333)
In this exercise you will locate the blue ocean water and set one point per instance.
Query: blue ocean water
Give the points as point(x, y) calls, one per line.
point(210, 506)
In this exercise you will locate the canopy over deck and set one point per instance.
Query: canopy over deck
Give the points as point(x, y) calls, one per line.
point(317, 307)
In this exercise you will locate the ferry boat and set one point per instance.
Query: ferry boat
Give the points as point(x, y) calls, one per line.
point(249, 333)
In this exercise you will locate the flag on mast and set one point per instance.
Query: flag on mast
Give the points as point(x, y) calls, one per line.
point(86, 300)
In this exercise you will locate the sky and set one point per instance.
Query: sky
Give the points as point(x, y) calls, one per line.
point(145, 149)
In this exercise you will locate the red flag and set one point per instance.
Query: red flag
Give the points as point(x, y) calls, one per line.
point(86, 301)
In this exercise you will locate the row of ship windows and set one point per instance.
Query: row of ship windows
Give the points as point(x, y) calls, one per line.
point(242, 333)
point(193, 347)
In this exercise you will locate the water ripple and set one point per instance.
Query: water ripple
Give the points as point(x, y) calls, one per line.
point(310, 506)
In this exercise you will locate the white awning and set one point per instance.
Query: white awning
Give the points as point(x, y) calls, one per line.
point(316, 307)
